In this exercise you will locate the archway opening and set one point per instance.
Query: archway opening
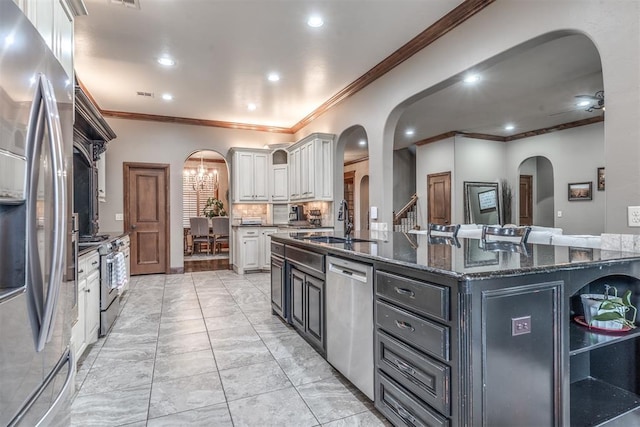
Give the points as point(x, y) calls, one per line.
point(205, 197)
point(536, 192)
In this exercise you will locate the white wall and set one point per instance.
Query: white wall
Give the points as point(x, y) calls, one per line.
point(436, 157)
point(575, 155)
point(139, 141)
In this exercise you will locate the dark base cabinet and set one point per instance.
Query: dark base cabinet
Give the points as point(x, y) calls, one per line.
point(278, 287)
point(307, 307)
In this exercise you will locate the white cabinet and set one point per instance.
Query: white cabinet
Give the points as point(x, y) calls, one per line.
point(250, 175)
point(265, 247)
point(253, 248)
point(102, 177)
point(294, 174)
point(85, 330)
point(54, 21)
point(311, 168)
point(279, 176)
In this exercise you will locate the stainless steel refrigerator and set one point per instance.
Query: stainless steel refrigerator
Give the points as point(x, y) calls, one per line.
point(37, 287)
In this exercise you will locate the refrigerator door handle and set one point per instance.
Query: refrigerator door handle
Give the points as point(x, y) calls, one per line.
point(44, 112)
point(52, 118)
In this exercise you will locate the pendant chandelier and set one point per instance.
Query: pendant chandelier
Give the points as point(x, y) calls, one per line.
point(201, 178)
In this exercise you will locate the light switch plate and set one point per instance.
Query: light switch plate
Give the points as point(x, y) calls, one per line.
point(374, 212)
point(633, 216)
point(119, 217)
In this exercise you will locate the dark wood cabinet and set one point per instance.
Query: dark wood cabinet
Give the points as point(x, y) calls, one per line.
point(278, 282)
point(307, 307)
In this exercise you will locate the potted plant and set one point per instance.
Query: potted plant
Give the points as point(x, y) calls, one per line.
point(605, 311)
point(214, 207)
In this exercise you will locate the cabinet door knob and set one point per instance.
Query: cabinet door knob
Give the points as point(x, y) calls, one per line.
point(88, 290)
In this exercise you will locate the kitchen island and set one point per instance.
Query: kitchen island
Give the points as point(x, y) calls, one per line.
point(472, 334)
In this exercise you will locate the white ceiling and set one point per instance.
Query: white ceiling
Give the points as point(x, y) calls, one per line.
point(225, 49)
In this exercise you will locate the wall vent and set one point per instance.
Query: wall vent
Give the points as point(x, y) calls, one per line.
point(145, 94)
point(133, 4)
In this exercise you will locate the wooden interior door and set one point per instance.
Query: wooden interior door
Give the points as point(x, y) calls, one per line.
point(146, 216)
point(439, 198)
point(526, 200)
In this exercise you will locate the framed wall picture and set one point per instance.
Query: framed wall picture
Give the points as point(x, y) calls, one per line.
point(580, 191)
point(600, 179)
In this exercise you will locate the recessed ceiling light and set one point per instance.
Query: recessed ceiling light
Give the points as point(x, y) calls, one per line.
point(472, 78)
point(273, 77)
point(583, 103)
point(409, 132)
point(509, 127)
point(166, 61)
point(315, 21)
point(167, 96)
point(8, 41)
point(362, 142)
point(251, 106)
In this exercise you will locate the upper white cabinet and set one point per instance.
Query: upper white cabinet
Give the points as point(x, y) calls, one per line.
point(279, 176)
point(54, 21)
point(311, 168)
point(250, 175)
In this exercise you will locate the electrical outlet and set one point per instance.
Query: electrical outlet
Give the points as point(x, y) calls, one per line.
point(559, 214)
point(520, 325)
point(633, 216)
point(119, 217)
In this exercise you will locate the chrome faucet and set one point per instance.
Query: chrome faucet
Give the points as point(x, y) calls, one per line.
point(343, 215)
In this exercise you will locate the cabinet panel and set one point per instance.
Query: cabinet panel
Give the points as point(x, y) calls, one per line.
point(280, 180)
point(250, 252)
point(278, 286)
point(92, 307)
point(297, 298)
point(531, 355)
point(244, 176)
point(428, 336)
point(294, 174)
point(423, 297)
point(265, 246)
point(261, 176)
point(315, 309)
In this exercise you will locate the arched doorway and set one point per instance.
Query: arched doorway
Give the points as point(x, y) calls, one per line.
point(536, 192)
point(355, 162)
point(205, 194)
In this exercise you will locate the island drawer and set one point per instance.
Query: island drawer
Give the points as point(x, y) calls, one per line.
point(402, 408)
point(423, 334)
point(277, 249)
point(422, 297)
point(425, 377)
point(309, 259)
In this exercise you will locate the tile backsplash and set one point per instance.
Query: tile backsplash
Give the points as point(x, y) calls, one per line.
point(250, 210)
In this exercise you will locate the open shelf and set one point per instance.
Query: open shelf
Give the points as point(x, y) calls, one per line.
point(582, 339)
point(593, 402)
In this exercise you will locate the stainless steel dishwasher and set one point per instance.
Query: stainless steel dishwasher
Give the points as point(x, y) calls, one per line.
point(349, 314)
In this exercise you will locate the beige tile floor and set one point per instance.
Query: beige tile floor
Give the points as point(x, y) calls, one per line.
point(203, 349)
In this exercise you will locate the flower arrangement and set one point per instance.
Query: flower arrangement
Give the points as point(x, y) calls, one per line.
point(214, 207)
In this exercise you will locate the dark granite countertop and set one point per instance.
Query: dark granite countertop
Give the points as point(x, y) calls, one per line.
point(468, 261)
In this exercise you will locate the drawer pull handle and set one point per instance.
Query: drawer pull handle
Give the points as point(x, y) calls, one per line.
point(405, 415)
point(94, 263)
point(404, 325)
point(403, 291)
point(80, 271)
point(404, 367)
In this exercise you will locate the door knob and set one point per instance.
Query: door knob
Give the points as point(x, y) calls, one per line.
point(133, 226)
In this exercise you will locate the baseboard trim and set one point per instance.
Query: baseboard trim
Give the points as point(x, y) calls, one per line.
point(176, 270)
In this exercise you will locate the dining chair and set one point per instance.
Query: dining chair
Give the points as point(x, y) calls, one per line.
point(200, 233)
point(220, 231)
